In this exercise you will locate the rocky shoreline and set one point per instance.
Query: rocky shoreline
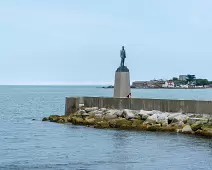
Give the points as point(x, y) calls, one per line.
point(186, 123)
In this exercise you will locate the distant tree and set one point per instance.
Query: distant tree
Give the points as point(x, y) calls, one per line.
point(190, 78)
point(175, 79)
point(202, 82)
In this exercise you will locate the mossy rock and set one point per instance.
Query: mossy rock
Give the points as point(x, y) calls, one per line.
point(206, 127)
point(78, 121)
point(60, 121)
point(45, 119)
point(205, 133)
point(154, 127)
point(137, 123)
point(195, 127)
point(54, 118)
point(102, 125)
point(168, 128)
point(120, 123)
point(90, 121)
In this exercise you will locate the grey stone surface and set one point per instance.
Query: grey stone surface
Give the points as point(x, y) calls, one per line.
point(128, 114)
point(122, 84)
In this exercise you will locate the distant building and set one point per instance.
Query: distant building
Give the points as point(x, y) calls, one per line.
point(182, 77)
point(140, 84)
point(168, 84)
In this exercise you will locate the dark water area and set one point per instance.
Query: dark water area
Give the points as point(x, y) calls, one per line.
point(28, 143)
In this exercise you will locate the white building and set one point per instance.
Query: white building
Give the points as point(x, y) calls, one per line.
point(169, 84)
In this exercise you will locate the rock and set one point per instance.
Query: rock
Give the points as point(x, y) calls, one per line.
point(145, 114)
point(94, 112)
point(103, 109)
point(163, 118)
point(111, 112)
point(77, 120)
point(173, 115)
point(179, 130)
point(108, 116)
point(119, 113)
point(45, 119)
point(187, 129)
point(207, 133)
point(181, 117)
point(89, 109)
point(197, 121)
point(60, 121)
point(155, 127)
point(84, 115)
point(81, 112)
point(179, 124)
point(98, 116)
point(90, 121)
point(128, 114)
point(195, 127)
point(120, 123)
point(54, 118)
point(137, 123)
point(152, 119)
point(102, 125)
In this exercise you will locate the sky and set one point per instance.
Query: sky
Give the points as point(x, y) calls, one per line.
point(79, 41)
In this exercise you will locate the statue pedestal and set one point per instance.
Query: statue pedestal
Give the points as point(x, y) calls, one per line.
point(122, 82)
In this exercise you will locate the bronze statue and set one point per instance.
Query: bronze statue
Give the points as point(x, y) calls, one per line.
point(123, 56)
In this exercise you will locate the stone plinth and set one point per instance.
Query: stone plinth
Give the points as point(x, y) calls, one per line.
point(122, 82)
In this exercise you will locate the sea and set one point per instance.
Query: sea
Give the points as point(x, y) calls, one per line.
point(28, 143)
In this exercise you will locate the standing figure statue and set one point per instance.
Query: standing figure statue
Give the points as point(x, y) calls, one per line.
point(123, 56)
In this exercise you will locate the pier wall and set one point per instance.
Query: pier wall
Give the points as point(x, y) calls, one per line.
point(185, 106)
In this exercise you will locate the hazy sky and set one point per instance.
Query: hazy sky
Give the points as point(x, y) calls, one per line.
point(78, 41)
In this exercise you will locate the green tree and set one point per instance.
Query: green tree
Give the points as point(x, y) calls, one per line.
point(190, 78)
point(202, 82)
point(175, 79)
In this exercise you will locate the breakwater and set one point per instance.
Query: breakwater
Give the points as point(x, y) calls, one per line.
point(192, 117)
point(184, 106)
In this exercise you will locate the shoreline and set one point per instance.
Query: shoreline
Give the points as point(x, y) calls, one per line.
point(138, 120)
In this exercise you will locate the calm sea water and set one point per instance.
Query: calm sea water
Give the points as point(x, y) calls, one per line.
point(32, 144)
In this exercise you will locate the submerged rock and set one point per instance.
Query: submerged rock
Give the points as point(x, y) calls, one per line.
point(45, 119)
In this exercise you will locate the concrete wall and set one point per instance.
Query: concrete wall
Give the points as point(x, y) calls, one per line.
point(186, 106)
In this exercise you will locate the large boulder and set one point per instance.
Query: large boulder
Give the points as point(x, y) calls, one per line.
point(187, 129)
point(98, 116)
point(90, 121)
point(152, 119)
point(108, 116)
point(45, 119)
point(173, 115)
point(118, 113)
point(177, 117)
point(89, 109)
point(128, 114)
point(197, 120)
point(145, 114)
point(159, 118)
point(163, 118)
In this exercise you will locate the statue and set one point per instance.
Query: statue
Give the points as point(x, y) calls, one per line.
point(123, 56)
